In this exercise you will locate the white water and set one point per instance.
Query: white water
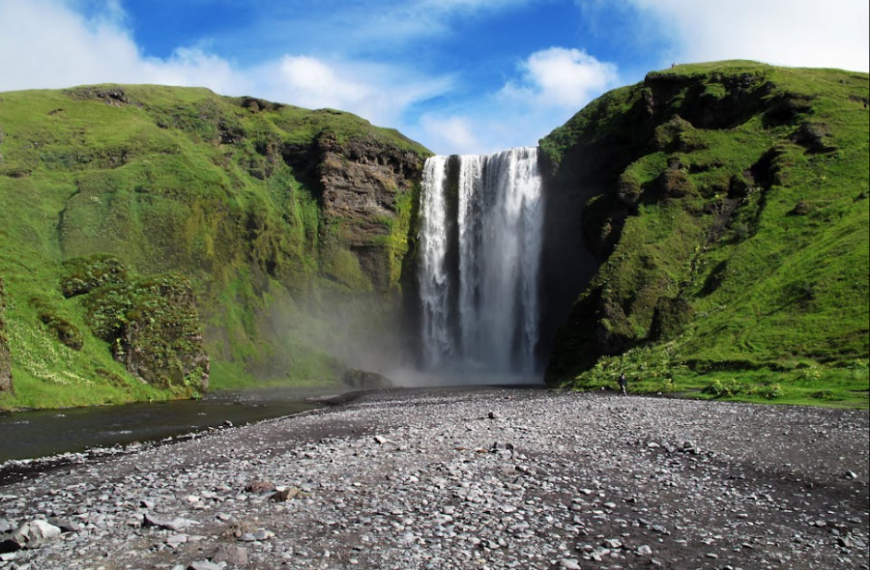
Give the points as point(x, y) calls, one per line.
point(482, 312)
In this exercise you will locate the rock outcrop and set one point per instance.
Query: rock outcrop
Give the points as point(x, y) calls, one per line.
point(363, 380)
point(688, 188)
point(293, 227)
point(152, 325)
point(363, 183)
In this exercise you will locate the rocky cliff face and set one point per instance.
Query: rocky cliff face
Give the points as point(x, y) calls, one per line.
point(292, 228)
point(693, 190)
point(5, 359)
point(367, 190)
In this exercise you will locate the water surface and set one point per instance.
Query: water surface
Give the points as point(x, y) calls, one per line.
point(27, 435)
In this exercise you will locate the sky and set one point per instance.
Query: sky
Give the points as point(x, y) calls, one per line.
point(459, 76)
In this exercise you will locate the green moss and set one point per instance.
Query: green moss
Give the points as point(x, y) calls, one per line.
point(223, 191)
point(744, 246)
point(5, 358)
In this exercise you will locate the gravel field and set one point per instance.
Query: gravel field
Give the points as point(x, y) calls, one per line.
point(464, 479)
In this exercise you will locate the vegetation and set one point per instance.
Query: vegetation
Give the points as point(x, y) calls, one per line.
point(731, 222)
point(181, 188)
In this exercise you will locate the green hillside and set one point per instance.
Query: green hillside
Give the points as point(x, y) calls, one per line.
point(241, 201)
point(728, 206)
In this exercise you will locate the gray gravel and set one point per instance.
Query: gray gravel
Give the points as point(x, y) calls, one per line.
point(466, 479)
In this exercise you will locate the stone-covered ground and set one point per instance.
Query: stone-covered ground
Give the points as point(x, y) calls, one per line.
point(465, 479)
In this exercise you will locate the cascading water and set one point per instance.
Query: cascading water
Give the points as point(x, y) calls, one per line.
point(480, 250)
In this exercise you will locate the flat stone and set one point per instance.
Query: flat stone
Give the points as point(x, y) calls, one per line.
point(206, 565)
point(232, 555)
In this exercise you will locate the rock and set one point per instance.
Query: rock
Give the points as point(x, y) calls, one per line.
point(644, 551)
point(569, 564)
point(7, 526)
point(361, 180)
point(9, 545)
point(380, 440)
point(285, 495)
point(35, 534)
point(850, 475)
point(177, 524)
point(363, 380)
point(232, 555)
point(65, 525)
point(206, 565)
point(260, 487)
point(176, 540)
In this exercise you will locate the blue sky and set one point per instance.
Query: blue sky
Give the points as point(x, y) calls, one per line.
point(460, 76)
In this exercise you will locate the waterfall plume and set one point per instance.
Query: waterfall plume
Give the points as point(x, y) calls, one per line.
point(479, 268)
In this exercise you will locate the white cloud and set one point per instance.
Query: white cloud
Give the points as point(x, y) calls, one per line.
point(451, 134)
point(801, 33)
point(552, 85)
point(380, 93)
point(561, 77)
point(47, 44)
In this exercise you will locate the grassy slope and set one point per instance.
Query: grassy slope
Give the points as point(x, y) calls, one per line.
point(772, 299)
point(171, 180)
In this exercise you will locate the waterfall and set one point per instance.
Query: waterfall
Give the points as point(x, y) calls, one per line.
point(480, 249)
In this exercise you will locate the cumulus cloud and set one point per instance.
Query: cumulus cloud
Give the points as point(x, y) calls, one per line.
point(48, 44)
point(561, 77)
point(803, 33)
point(550, 87)
point(452, 134)
point(380, 93)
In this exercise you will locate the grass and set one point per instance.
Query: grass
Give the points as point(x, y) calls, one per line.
point(222, 191)
point(743, 258)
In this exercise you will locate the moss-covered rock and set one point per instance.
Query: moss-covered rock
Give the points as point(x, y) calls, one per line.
point(714, 194)
point(60, 328)
point(81, 275)
point(153, 328)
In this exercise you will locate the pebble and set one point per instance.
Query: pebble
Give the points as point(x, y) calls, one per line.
point(402, 481)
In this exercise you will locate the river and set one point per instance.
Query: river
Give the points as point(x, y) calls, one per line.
point(29, 435)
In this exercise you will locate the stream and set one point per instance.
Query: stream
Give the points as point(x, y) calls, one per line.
point(29, 435)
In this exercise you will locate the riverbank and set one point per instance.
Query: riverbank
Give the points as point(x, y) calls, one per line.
point(471, 478)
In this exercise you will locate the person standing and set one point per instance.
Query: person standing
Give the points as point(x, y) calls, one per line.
point(623, 385)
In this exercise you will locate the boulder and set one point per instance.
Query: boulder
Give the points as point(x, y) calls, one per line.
point(362, 380)
point(35, 534)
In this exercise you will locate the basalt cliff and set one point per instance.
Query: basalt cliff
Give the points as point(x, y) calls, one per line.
point(726, 208)
point(157, 240)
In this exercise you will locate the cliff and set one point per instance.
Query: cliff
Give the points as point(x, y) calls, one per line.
point(271, 238)
point(726, 207)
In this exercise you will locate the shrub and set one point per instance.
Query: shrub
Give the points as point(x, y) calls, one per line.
point(723, 388)
point(81, 275)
